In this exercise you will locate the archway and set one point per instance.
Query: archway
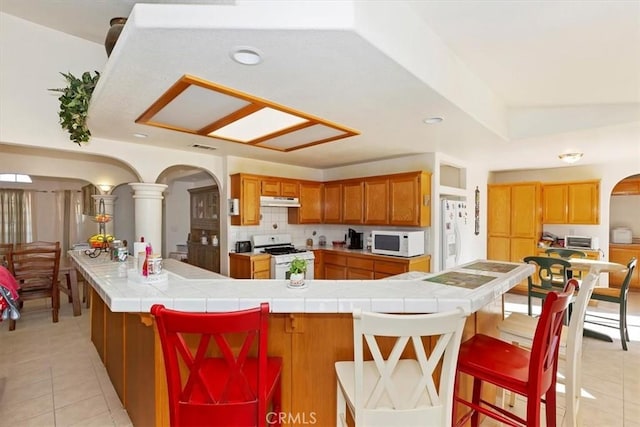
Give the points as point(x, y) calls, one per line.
point(191, 213)
point(624, 225)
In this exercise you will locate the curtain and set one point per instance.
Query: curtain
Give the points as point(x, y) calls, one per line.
point(16, 216)
point(68, 218)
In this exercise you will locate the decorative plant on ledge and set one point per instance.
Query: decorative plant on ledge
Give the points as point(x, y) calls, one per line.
point(74, 104)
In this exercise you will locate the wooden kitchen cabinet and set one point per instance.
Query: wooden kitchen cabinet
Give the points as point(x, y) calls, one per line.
point(204, 256)
point(410, 199)
point(279, 187)
point(514, 221)
point(571, 202)
point(358, 266)
point(310, 210)
point(352, 201)
point(622, 254)
point(242, 266)
point(332, 203)
point(247, 189)
point(334, 266)
point(376, 201)
point(204, 220)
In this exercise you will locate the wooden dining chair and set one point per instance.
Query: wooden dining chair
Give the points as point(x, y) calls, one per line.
point(212, 378)
point(36, 271)
point(550, 275)
point(530, 373)
point(394, 391)
point(617, 296)
point(5, 248)
point(566, 254)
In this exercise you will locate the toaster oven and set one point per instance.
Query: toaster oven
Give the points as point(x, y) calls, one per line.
point(581, 242)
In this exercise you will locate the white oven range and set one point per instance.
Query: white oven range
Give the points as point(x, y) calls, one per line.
point(282, 252)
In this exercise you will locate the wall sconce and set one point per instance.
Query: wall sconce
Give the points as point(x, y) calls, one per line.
point(570, 157)
point(105, 188)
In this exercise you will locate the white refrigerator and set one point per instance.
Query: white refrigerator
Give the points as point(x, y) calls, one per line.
point(455, 227)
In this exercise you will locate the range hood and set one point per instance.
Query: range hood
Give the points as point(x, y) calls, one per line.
point(285, 202)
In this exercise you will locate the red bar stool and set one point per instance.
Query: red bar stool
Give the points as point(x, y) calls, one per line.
point(211, 378)
point(531, 373)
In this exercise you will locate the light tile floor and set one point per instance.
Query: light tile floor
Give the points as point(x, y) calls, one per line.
point(50, 373)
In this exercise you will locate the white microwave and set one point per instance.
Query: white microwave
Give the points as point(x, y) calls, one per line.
point(398, 243)
point(581, 242)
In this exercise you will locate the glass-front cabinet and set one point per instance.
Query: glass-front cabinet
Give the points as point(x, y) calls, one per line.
point(203, 245)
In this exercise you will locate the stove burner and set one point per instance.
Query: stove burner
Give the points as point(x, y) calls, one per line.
point(282, 250)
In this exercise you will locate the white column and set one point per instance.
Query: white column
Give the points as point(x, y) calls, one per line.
point(147, 200)
point(109, 203)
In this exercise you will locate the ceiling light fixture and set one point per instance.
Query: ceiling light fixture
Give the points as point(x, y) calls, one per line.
point(200, 107)
point(570, 157)
point(105, 188)
point(246, 55)
point(433, 120)
point(140, 135)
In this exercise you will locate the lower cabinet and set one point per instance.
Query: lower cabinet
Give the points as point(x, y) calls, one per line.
point(242, 266)
point(622, 254)
point(337, 265)
point(204, 256)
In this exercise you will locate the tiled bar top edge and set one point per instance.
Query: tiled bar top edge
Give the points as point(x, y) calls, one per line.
point(189, 288)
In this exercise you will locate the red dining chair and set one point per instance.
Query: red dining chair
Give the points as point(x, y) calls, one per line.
point(531, 373)
point(211, 377)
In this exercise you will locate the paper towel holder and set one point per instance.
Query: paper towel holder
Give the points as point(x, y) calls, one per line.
point(234, 207)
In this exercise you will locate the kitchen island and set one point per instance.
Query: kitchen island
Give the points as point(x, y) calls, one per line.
point(309, 328)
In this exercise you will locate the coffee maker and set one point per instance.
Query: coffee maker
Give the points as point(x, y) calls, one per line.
point(355, 239)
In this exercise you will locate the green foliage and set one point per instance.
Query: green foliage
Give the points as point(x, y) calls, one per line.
point(74, 104)
point(298, 265)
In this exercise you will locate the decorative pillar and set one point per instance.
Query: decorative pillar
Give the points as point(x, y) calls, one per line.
point(109, 203)
point(147, 199)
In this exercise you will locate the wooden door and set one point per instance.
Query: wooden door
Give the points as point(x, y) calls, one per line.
point(499, 210)
point(584, 206)
point(526, 215)
point(522, 247)
point(332, 208)
point(289, 188)
point(352, 202)
point(376, 201)
point(554, 203)
point(250, 201)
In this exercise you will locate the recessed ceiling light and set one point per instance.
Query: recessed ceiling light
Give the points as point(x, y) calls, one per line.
point(433, 120)
point(140, 135)
point(570, 157)
point(246, 55)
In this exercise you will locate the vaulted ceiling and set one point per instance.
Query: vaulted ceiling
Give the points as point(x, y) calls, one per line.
point(516, 83)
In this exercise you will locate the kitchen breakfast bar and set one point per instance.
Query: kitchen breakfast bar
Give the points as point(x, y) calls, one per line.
point(309, 328)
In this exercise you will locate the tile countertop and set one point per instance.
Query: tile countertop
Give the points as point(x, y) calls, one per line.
point(190, 288)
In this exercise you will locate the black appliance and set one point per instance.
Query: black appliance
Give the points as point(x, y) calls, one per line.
point(355, 239)
point(243, 246)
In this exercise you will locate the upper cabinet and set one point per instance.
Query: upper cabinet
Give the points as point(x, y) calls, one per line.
point(279, 187)
point(352, 201)
point(402, 199)
point(247, 189)
point(410, 199)
point(571, 202)
point(332, 203)
point(205, 208)
point(376, 200)
point(627, 187)
point(310, 210)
